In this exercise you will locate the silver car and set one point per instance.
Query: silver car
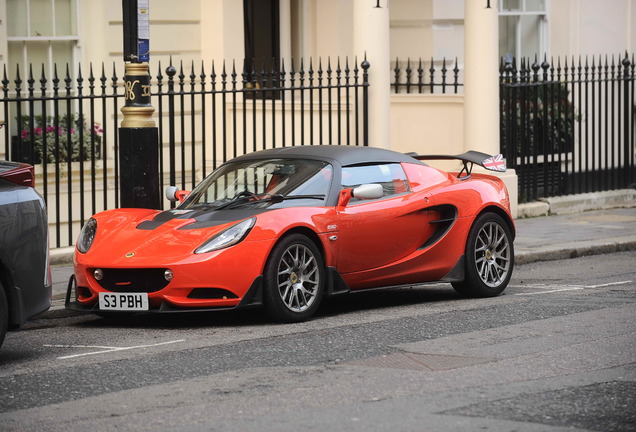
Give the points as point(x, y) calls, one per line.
point(25, 276)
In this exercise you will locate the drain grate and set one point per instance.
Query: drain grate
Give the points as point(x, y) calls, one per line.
point(419, 362)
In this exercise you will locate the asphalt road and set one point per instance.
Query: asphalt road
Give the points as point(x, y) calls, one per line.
point(556, 352)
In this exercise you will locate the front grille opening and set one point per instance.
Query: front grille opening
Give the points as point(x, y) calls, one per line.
point(211, 294)
point(133, 280)
point(83, 292)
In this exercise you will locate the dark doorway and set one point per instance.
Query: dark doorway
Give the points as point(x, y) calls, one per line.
point(262, 44)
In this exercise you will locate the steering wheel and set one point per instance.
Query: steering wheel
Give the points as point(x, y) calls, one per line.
point(245, 193)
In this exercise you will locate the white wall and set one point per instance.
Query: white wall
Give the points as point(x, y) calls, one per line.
point(592, 27)
point(427, 124)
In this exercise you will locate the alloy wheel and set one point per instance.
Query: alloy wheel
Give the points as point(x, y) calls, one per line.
point(492, 254)
point(298, 278)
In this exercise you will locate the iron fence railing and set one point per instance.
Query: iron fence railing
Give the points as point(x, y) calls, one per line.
point(67, 124)
point(417, 77)
point(568, 126)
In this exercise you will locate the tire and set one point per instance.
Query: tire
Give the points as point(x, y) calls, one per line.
point(4, 314)
point(294, 279)
point(489, 258)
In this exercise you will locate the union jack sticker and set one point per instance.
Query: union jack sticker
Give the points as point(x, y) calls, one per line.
point(495, 163)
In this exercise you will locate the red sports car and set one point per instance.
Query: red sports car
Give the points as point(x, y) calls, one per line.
point(283, 228)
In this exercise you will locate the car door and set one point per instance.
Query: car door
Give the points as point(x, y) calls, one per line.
point(377, 233)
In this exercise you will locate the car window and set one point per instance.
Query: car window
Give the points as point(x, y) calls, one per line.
point(257, 180)
point(390, 176)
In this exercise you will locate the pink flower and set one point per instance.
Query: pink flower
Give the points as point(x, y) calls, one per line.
point(50, 129)
point(24, 134)
point(37, 131)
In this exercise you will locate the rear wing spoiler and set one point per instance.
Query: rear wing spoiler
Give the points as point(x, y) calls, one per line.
point(493, 163)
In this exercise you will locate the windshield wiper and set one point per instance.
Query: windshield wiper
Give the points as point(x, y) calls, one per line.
point(251, 199)
point(288, 197)
point(203, 206)
point(274, 199)
point(234, 201)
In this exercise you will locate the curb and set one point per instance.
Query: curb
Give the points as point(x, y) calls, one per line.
point(56, 312)
point(593, 248)
point(570, 204)
point(61, 256)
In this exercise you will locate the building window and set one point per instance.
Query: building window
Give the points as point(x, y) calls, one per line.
point(41, 32)
point(523, 27)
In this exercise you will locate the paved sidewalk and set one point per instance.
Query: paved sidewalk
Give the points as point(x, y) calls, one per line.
point(542, 238)
point(548, 238)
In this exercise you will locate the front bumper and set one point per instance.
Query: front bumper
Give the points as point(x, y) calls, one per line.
point(252, 298)
point(219, 280)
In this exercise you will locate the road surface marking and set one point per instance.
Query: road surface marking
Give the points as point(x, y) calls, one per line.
point(106, 349)
point(570, 288)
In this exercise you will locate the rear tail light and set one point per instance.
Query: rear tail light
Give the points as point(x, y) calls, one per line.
point(18, 173)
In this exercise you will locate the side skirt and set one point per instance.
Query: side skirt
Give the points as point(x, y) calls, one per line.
point(335, 283)
point(457, 272)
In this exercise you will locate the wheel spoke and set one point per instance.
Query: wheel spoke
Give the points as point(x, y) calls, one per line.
point(298, 277)
point(284, 289)
point(492, 254)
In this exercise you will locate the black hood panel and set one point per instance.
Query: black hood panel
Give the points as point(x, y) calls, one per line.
point(202, 219)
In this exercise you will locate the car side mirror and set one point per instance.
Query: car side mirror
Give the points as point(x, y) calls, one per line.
point(368, 191)
point(174, 194)
point(363, 192)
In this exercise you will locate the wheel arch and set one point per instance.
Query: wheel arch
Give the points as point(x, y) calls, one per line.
point(307, 232)
point(503, 214)
point(334, 284)
point(276, 306)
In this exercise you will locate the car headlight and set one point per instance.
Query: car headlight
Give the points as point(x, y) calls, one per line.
point(87, 235)
point(228, 237)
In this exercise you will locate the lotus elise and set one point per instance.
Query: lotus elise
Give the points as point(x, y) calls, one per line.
point(286, 227)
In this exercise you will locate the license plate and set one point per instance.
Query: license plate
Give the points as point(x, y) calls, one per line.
point(123, 301)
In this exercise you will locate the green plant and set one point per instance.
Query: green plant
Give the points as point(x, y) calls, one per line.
point(537, 119)
point(67, 138)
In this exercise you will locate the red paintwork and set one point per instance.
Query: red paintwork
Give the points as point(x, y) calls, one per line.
point(22, 175)
point(377, 242)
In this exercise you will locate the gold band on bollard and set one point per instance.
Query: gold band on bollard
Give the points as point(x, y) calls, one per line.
point(138, 110)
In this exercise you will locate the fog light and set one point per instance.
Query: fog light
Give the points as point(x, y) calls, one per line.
point(98, 274)
point(168, 275)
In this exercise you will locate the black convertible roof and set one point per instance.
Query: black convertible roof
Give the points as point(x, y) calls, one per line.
point(343, 154)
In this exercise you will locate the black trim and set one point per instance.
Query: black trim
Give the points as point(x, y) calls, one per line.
point(448, 216)
point(137, 280)
point(254, 295)
point(165, 216)
point(214, 218)
point(456, 274)
point(470, 157)
point(335, 283)
point(344, 155)
point(202, 219)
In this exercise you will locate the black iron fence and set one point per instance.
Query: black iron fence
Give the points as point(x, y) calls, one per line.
point(568, 126)
point(65, 123)
point(418, 77)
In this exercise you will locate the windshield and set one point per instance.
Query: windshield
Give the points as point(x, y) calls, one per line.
point(266, 182)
